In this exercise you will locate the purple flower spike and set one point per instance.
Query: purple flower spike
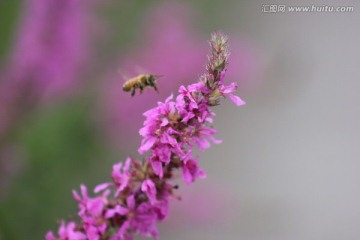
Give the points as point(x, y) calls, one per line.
point(170, 133)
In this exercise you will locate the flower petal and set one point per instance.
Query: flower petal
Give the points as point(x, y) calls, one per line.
point(235, 99)
point(147, 144)
point(101, 187)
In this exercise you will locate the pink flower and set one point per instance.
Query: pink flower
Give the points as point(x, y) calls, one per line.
point(203, 135)
point(91, 211)
point(121, 177)
point(66, 232)
point(227, 92)
point(191, 171)
point(142, 219)
point(149, 188)
point(87, 205)
point(156, 130)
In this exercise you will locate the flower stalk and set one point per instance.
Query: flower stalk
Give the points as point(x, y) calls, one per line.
point(137, 197)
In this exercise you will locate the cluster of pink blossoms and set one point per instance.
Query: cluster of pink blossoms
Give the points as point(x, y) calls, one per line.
point(138, 196)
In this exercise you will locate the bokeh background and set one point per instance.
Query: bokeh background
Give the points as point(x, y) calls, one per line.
point(289, 165)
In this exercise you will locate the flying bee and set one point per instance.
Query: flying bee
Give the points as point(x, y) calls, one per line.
point(142, 81)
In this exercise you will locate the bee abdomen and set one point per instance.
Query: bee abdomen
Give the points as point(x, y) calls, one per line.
point(127, 86)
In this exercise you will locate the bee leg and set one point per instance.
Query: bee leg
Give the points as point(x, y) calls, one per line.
point(133, 92)
point(141, 89)
point(156, 88)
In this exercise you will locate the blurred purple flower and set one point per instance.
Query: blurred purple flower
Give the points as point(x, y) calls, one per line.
point(51, 46)
point(48, 58)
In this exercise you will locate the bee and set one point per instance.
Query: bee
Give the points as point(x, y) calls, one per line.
point(142, 81)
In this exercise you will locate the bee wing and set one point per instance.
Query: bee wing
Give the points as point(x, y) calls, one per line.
point(140, 70)
point(158, 76)
point(123, 75)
